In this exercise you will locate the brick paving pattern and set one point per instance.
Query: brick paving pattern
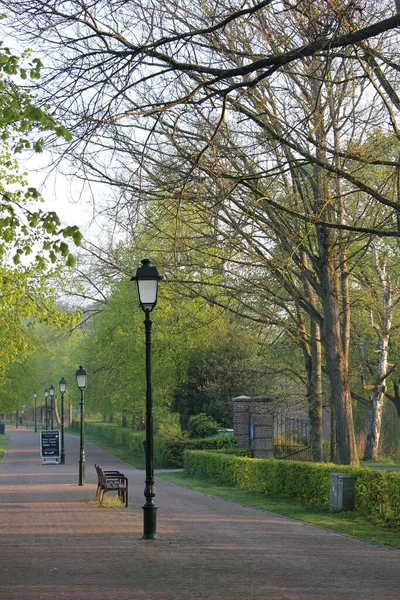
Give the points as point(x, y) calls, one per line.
point(56, 543)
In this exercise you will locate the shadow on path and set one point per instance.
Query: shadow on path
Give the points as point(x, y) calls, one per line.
point(56, 543)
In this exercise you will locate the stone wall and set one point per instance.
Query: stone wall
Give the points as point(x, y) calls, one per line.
point(253, 424)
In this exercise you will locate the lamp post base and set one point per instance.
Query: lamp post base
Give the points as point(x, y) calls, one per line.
point(81, 473)
point(149, 521)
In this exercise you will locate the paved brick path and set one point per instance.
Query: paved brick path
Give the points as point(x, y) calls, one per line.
point(56, 544)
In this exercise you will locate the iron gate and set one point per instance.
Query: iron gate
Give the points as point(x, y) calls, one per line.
point(292, 438)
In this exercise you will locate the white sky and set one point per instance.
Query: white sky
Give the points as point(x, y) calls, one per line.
point(62, 195)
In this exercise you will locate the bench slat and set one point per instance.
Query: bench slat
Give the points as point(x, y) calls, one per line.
point(111, 481)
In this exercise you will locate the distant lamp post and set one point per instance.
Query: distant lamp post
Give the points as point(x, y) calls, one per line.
point(52, 392)
point(81, 379)
point(35, 415)
point(147, 278)
point(46, 407)
point(62, 386)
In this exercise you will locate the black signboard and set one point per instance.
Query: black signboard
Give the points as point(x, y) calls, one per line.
point(50, 447)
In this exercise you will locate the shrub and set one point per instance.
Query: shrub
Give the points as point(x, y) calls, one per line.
point(174, 447)
point(167, 451)
point(202, 425)
point(237, 451)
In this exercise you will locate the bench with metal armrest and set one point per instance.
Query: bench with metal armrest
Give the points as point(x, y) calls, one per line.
point(111, 481)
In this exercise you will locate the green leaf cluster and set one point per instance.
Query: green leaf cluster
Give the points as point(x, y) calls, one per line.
point(27, 314)
point(202, 425)
point(25, 230)
point(199, 359)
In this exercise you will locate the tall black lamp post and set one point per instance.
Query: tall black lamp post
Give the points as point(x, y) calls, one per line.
point(52, 392)
point(147, 278)
point(46, 407)
point(63, 386)
point(35, 416)
point(81, 378)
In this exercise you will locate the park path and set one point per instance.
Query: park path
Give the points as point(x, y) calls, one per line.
point(56, 544)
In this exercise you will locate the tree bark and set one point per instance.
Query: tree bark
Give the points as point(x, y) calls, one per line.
point(334, 298)
point(315, 400)
point(346, 451)
point(378, 397)
point(312, 351)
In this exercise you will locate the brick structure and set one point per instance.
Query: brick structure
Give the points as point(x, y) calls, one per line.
point(253, 424)
point(241, 420)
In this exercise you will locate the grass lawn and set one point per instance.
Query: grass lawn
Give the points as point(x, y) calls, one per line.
point(120, 452)
point(349, 523)
point(3, 445)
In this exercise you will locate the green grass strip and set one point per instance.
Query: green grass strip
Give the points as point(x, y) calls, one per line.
point(3, 445)
point(120, 452)
point(347, 522)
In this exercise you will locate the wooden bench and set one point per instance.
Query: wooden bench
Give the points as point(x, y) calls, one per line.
point(111, 481)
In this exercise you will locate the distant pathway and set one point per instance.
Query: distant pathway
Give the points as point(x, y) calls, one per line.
point(56, 544)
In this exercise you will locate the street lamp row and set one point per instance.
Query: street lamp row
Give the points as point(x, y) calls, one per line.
point(81, 378)
point(48, 392)
point(51, 392)
point(147, 278)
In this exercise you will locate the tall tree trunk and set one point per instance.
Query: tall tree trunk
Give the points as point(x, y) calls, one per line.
point(333, 445)
point(311, 345)
point(315, 399)
point(334, 299)
point(374, 424)
point(376, 408)
point(312, 351)
point(335, 355)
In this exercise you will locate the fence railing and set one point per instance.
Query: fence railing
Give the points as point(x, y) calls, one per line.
point(292, 438)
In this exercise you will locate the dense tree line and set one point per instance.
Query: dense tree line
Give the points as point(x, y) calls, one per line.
point(33, 242)
point(260, 146)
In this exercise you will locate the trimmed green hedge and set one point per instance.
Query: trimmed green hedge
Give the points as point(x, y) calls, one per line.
point(376, 492)
point(119, 436)
point(167, 451)
point(174, 447)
